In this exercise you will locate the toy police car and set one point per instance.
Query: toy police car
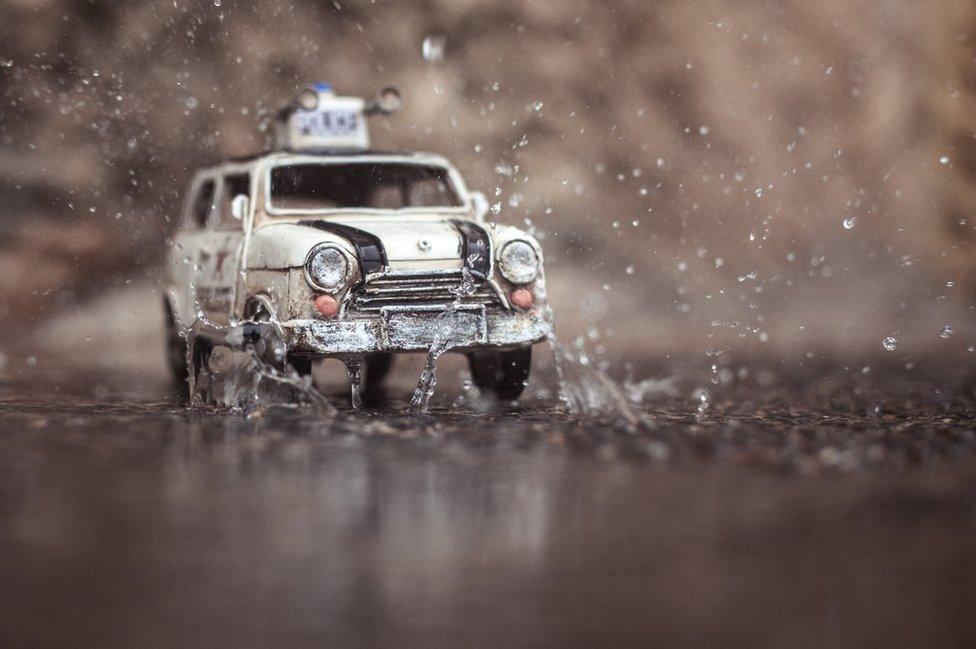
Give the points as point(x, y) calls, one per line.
point(356, 254)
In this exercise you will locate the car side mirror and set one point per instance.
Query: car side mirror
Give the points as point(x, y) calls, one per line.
point(480, 203)
point(239, 207)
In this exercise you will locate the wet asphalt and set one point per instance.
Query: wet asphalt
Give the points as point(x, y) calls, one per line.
point(804, 507)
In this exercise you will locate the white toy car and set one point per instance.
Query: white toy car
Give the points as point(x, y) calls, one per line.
point(356, 254)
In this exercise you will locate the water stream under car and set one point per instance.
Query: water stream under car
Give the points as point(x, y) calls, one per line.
point(447, 325)
point(237, 374)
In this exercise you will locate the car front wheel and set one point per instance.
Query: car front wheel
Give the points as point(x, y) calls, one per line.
point(175, 351)
point(502, 373)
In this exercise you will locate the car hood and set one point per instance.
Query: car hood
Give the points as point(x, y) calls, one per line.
point(402, 244)
point(413, 240)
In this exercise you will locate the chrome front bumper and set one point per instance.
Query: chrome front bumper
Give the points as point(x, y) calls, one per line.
point(396, 330)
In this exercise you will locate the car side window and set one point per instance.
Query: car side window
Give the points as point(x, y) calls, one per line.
point(232, 186)
point(203, 204)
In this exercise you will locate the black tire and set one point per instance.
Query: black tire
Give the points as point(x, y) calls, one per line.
point(176, 352)
point(256, 310)
point(376, 368)
point(202, 349)
point(502, 373)
point(302, 364)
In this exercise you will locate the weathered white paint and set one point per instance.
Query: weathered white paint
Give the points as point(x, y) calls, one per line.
point(268, 255)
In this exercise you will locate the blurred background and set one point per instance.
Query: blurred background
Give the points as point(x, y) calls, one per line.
point(782, 178)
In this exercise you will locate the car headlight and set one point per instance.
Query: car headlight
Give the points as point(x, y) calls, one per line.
point(328, 268)
point(518, 262)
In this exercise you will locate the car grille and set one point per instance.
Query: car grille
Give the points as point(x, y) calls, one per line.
point(418, 292)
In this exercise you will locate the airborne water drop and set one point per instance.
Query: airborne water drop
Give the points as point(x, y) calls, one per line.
point(433, 48)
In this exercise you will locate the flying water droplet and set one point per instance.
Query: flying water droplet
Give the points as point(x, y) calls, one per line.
point(890, 343)
point(944, 160)
point(850, 222)
point(433, 48)
point(946, 331)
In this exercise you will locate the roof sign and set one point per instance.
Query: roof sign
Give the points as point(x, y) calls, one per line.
point(318, 120)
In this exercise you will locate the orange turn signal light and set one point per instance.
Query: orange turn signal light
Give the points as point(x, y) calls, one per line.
point(522, 298)
point(327, 305)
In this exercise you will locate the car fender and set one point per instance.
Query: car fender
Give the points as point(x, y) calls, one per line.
point(279, 246)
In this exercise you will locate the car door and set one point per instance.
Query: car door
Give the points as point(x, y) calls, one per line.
point(228, 242)
point(191, 253)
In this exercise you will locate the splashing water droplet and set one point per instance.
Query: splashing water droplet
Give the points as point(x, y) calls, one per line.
point(944, 160)
point(704, 400)
point(850, 222)
point(946, 331)
point(433, 48)
point(890, 343)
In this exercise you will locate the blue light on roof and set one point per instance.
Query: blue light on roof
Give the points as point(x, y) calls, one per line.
point(322, 86)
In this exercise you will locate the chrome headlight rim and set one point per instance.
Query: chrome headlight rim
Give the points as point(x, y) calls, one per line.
point(526, 274)
point(342, 280)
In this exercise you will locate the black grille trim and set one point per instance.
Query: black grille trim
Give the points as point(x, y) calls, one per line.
point(369, 249)
point(475, 248)
point(418, 291)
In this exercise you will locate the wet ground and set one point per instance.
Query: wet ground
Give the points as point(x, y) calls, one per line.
point(803, 506)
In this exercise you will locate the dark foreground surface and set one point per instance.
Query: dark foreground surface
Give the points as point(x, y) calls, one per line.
point(839, 517)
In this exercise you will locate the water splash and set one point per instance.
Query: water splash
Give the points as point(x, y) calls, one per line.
point(428, 377)
point(584, 388)
point(704, 398)
point(449, 328)
point(637, 392)
point(244, 367)
point(354, 369)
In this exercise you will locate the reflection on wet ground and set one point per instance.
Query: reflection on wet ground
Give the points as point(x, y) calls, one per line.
point(126, 520)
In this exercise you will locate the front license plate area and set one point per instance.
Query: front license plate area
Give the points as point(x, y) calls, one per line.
point(423, 330)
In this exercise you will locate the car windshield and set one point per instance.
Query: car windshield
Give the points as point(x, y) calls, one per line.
point(364, 185)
